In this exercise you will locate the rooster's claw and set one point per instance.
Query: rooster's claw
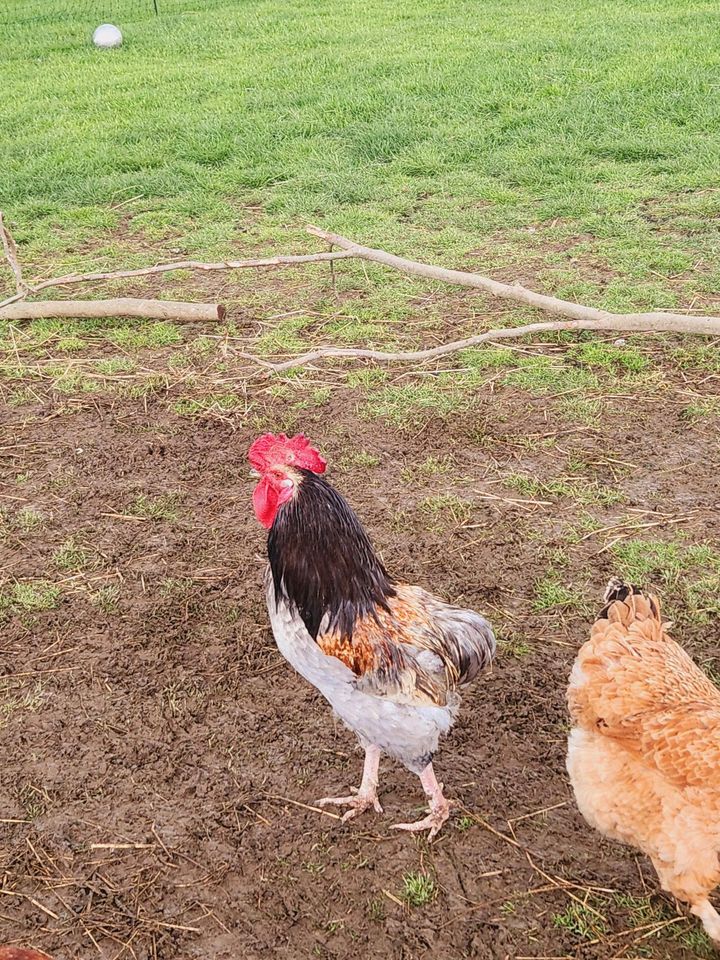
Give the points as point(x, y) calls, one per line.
point(359, 802)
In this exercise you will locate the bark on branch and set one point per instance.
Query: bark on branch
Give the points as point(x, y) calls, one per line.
point(120, 307)
point(420, 356)
point(577, 316)
point(73, 278)
point(279, 261)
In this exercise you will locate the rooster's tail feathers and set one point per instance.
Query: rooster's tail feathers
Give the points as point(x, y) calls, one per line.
point(469, 642)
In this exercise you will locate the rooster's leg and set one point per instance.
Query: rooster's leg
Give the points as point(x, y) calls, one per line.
point(439, 806)
point(366, 796)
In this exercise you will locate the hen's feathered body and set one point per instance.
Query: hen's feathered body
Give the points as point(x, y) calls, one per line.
point(644, 750)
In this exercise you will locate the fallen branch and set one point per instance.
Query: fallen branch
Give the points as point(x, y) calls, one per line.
point(11, 256)
point(73, 278)
point(120, 307)
point(578, 316)
point(587, 318)
point(420, 356)
point(279, 261)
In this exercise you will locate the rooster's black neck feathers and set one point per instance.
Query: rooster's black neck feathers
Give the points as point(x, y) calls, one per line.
point(322, 560)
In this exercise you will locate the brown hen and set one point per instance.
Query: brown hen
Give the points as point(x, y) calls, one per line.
point(644, 749)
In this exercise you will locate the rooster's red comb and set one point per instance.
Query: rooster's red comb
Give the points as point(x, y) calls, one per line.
point(277, 450)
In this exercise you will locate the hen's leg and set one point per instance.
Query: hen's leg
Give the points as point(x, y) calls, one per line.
point(439, 806)
point(688, 889)
point(710, 918)
point(366, 796)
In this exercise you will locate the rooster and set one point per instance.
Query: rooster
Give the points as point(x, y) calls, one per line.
point(387, 656)
point(644, 749)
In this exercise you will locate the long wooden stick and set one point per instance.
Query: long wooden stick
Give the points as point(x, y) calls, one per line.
point(580, 317)
point(120, 307)
point(588, 318)
point(279, 261)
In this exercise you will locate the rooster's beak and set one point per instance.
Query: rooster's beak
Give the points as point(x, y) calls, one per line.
point(255, 473)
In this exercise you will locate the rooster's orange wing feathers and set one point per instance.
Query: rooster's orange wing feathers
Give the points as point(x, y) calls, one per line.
point(417, 651)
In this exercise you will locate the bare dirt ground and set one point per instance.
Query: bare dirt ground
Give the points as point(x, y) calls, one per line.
point(160, 759)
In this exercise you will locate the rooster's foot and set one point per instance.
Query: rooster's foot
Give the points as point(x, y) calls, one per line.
point(359, 802)
point(439, 807)
point(432, 822)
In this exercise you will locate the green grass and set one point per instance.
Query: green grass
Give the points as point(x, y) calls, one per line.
point(703, 409)
point(208, 404)
point(114, 365)
point(71, 556)
point(418, 889)
point(450, 129)
point(361, 459)
point(30, 596)
point(413, 404)
point(163, 507)
point(146, 335)
point(106, 599)
point(13, 702)
point(431, 467)
point(609, 357)
point(283, 337)
point(28, 520)
point(542, 375)
point(552, 594)
point(648, 914)
point(445, 509)
point(512, 644)
point(566, 379)
point(576, 488)
point(585, 922)
point(176, 586)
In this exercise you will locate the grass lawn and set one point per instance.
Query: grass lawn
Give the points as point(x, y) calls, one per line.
point(436, 129)
point(571, 146)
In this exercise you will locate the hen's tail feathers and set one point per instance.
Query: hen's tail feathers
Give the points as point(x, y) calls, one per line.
point(632, 598)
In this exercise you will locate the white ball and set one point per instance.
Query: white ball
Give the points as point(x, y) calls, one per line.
point(107, 36)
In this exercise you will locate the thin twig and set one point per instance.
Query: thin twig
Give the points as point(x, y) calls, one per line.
point(11, 256)
point(305, 806)
point(169, 926)
point(123, 846)
point(614, 322)
point(74, 278)
point(25, 896)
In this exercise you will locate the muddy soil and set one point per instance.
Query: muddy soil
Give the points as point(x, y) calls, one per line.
point(160, 760)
